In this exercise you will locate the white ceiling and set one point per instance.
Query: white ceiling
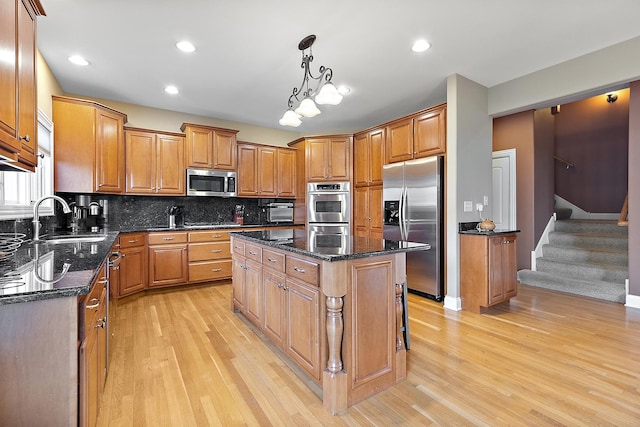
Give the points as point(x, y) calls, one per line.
point(247, 59)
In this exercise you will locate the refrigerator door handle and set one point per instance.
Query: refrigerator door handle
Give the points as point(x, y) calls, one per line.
point(402, 214)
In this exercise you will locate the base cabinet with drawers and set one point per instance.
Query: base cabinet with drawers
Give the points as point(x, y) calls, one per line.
point(488, 270)
point(168, 259)
point(209, 255)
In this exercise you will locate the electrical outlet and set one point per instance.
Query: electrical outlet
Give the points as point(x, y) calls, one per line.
point(479, 207)
point(486, 200)
point(468, 206)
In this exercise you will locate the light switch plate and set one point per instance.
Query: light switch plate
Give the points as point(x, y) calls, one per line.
point(468, 206)
point(486, 200)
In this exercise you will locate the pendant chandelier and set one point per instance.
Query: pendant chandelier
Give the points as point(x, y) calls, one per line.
point(319, 88)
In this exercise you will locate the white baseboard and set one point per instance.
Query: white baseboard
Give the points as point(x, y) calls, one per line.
point(452, 303)
point(577, 213)
point(633, 301)
point(544, 239)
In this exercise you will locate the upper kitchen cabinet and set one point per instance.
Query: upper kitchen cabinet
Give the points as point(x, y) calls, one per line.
point(286, 173)
point(18, 109)
point(154, 162)
point(266, 171)
point(368, 156)
point(328, 158)
point(420, 135)
point(89, 147)
point(209, 147)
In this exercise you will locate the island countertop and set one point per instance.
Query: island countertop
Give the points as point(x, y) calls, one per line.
point(330, 247)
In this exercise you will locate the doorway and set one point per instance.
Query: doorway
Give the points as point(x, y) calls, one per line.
point(503, 207)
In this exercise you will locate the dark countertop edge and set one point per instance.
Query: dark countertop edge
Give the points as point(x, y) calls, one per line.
point(488, 233)
point(325, 257)
point(143, 229)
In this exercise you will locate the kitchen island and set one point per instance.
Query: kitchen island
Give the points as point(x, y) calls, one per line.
point(334, 304)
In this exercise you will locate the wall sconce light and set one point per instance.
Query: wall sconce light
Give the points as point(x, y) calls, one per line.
point(611, 98)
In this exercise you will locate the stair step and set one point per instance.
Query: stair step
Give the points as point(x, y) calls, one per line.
point(608, 291)
point(597, 272)
point(603, 226)
point(589, 240)
point(583, 255)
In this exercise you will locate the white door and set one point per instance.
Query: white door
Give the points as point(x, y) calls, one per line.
point(504, 189)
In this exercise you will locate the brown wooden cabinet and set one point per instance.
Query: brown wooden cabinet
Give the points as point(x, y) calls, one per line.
point(328, 159)
point(488, 269)
point(209, 255)
point(133, 270)
point(89, 147)
point(273, 323)
point(286, 172)
point(92, 355)
point(154, 162)
point(265, 171)
point(420, 135)
point(368, 218)
point(168, 261)
point(368, 157)
point(18, 109)
point(209, 147)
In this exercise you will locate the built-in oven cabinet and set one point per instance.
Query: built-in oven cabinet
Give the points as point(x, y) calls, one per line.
point(210, 147)
point(328, 203)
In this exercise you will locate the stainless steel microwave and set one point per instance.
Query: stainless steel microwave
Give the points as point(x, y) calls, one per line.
point(207, 182)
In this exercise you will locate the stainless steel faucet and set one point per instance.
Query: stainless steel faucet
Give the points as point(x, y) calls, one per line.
point(36, 214)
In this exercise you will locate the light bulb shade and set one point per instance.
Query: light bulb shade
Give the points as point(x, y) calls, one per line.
point(290, 118)
point(308, 108)
point(328, 95)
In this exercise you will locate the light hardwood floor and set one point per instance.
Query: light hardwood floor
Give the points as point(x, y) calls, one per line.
point(183, 358)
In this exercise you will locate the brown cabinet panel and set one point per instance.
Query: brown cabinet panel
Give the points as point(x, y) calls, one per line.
point(167, 238)
point(328, 159)
point(267, 172)
point(274, 260)
point(286, 173)
point(8, 77)
point(399, 141)
point(27, 102)
point(247, 170)
point(209, 147)
point(224, 150)
point(273, 324)
point(238, 284)
point(209, 251)
point(254, 300)
point(170, 165)
point(133, 270)
point(208, 236)
point(361, 160)
point(168, 265)
point(210, 270)
point(110, 167)
point(368, 221)
point(303, 326)
point(430, 132)
point(317, 160)
point(199, 147)
point(303, 269)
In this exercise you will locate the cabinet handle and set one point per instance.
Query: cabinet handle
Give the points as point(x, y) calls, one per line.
point(280, 285)
point(26, 138)
point(124, 255)
point(133, 241)
point(103, 323)
point(215, 251)
point(215, 270)
point(299, 270)
point(216, 236)
point(167, 238)
point(253, 253)
point(272, 260)
point(90, 307)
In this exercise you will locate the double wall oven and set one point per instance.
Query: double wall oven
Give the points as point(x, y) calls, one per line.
point(328, 214)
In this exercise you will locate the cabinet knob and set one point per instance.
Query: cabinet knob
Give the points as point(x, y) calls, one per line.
point(25, 138)
point(299, 270)
point(253, 253)
point(272, 260)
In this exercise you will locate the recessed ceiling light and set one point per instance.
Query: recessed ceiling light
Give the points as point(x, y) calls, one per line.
point(343, 90)
point(78, 60)
point(420, 45)
point(172, 90)
point(185, 46)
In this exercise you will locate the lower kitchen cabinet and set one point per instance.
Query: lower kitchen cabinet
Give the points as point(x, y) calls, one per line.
point(273, 320)
point(209, 255)
point(168, 262)
point(133, 270)
point(488, 270)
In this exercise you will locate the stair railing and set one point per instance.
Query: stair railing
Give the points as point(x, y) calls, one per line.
point(564, 162)
point(624, 213)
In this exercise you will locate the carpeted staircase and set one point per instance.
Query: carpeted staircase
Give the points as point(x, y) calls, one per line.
point(584, 257)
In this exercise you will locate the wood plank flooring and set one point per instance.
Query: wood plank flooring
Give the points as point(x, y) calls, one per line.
point(183, 358)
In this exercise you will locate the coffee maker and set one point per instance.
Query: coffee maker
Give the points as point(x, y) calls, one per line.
point(88, 215)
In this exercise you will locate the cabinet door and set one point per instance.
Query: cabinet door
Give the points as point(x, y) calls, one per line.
point(199, 147)
point(303, 326)
point(224, 150)
point(376, 222)
point(495, 270)
point(238, 282)
point(141, 162)
point(376, 156)
point(133, 270)
point(317, 160)
point(8, 77)
point(267, 174)
point(273, 323)
point(361, 211)
point(109, 170)
point(254, 300)
point(247, 170)
point(339, 159)
point(430, 133)
point(399, 141)
point(170, 172)
point(510, 266)
point(27, 102)
point(168, 265)
point(286, 173)
point(361, 161)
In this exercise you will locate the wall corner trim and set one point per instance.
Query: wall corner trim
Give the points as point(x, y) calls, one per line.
point(454, 303)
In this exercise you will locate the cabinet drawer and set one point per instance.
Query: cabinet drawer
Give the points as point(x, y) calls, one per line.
point(210, 270)
point(91, 307)
point(238, 247)
point(208, 236)
point(164, 238)
point(253, 252)
point(209, 251)
point(307, 271)
point(273, 260)
point(131, 240)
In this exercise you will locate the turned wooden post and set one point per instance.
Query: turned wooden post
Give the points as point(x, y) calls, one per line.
point(335, 327)
point(399, 315)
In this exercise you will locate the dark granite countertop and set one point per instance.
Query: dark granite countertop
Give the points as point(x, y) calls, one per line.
point(196, 227)
point(39, 271)
point(328, 247)
point(488, 233)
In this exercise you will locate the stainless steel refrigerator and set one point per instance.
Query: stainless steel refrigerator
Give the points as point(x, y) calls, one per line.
point(412, 198)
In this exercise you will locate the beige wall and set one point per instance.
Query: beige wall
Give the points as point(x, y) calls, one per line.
point(158, 119)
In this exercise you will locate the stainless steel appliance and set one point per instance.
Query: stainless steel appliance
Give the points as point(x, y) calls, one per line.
point(278, 212)
point(207, 182)
point(328, 238)
point(328, 202)
point(412, 203)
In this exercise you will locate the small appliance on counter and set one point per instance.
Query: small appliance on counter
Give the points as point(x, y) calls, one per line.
point(279, 212)
point(175, 216)
point(238, 214)
point(88, 215)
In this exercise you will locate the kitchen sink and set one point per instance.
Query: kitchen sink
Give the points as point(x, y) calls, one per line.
point(72, 238)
